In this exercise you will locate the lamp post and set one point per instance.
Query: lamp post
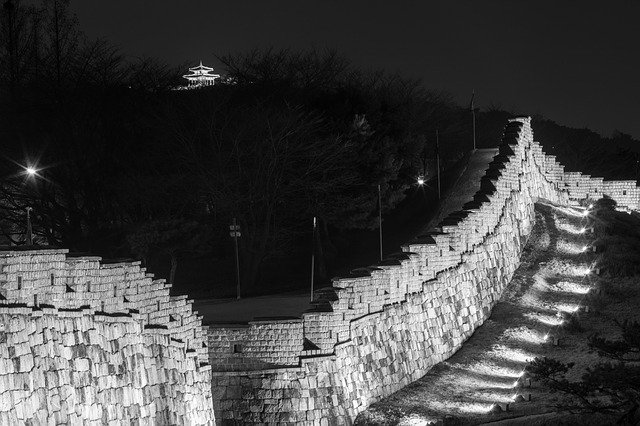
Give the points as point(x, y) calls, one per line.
point(234, 229)
point(15, 189)
point(31, 172)
point(313, 255)
point(29, 229)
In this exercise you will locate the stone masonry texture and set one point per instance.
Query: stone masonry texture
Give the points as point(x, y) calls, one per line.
point(386, 325)
point(85, 342)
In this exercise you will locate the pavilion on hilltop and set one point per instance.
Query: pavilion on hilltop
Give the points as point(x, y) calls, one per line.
point(201, 76)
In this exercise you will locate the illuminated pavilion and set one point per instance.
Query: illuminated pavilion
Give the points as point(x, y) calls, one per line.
point(201, 76)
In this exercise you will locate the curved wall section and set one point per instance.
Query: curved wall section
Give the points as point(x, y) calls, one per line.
point(93, 343)
point(386, 325)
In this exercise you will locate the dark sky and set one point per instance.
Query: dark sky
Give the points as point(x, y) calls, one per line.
point(574, 62)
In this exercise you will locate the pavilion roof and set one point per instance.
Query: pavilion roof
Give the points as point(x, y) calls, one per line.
point(201, 68)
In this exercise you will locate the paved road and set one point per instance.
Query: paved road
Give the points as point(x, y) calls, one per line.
point(244, 310)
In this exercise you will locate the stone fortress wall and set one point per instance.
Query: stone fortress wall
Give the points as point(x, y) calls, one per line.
point(385, 326)
point(83, 341)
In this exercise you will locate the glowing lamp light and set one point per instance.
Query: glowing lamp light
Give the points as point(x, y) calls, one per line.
point(590, 206)
point(583, 230)
point(585, 248)
point(31, 171)
point(420, 180)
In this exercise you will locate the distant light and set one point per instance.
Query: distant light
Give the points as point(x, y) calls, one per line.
point(583, 230)
point(590, 206)
point(31, 171)
point(585, 248)
point(420, 180)
point(585, 213)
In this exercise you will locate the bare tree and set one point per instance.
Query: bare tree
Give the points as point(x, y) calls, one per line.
point(63, 36)
point(268, 166)
point(16, 41)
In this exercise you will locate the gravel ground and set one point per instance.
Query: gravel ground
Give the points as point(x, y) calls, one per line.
point(551, 285)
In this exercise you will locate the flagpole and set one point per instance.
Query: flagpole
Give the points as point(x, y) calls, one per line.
point(473, 114)
point(313, 255)
point(438, 161)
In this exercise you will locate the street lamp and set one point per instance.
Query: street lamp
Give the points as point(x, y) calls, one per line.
point(31, 172)
point(420, 180)
point(13, 188)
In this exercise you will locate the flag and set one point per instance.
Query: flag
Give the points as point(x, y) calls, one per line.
point(471, 106)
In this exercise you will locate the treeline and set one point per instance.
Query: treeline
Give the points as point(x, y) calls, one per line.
point(129, 167)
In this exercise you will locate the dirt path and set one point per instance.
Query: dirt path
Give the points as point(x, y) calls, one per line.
point(551, 283)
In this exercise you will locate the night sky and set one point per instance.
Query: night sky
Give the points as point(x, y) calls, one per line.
point(574, 62)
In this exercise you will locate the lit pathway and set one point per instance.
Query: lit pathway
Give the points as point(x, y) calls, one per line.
point(550, 283)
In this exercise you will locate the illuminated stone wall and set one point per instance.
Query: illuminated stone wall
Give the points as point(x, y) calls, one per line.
point(385, 326)
point(82, 341)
